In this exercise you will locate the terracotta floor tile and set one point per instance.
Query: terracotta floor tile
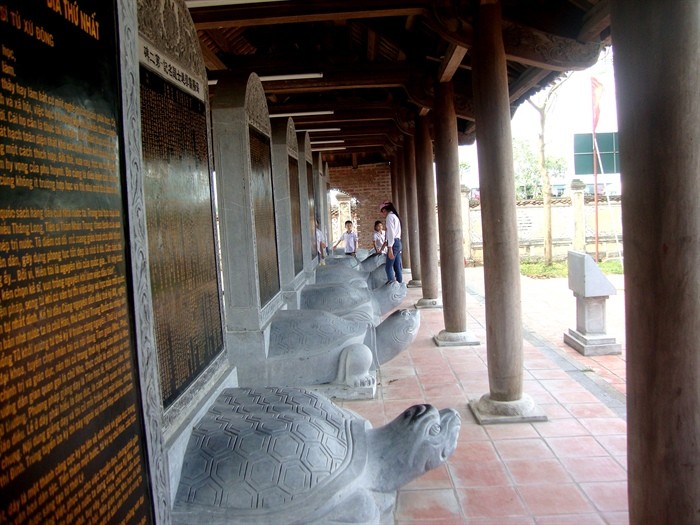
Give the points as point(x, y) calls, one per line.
point(528, 471)
point(556, 386)
point(576, 397)
point(451, 390)
point(543, 397)
point(569, 470)
point(594, 469)
point(443, 377)
point(502, 520)
point(427, 505)
point(580, 446)
point(616, 445)
point(478, 474)
point(555, 410)
point(560, 498)
point(402, 388)
point(433, 521)
point(561, 427)
point(549, 374)
point(616, 518)
point(491, 502)
point(474, 451)
point(472, 432)
point(571, 519)
point(608, 497)
point(437, 478)
point(392, 371)
point(523, 449)
point(512, 431)
point(605, 426)
point(589, 410)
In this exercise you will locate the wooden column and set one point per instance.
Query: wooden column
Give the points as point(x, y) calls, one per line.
point(395, 169)
point(657, 56)
point(505, 400)
point(402, 207)
point(427, 218)
point(410, 215)
point(454, 297)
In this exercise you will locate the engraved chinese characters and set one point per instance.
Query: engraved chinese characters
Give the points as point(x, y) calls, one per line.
point(181, 233)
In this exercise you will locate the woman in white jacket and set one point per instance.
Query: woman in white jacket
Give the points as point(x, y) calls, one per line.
point(394, 268)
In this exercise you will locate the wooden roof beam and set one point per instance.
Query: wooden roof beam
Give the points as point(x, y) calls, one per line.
point(300, 11)
point(452, 60)
point(595, 22)
point(523, 44)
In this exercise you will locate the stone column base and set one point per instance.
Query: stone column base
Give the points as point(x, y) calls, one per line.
point(592, 344)
point(428, 303)
point(414, 283)
point(445, 338)
point(490, 412)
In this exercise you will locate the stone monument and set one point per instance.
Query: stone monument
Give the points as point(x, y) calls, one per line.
point(592, 290)
point(287, 456)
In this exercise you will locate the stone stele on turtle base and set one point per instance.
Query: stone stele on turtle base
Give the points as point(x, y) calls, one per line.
point(289, 456)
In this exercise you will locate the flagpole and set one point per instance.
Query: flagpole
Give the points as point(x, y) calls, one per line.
point(596, 91)
point(595, 192)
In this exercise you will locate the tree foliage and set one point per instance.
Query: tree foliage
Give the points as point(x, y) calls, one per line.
point(528, 181)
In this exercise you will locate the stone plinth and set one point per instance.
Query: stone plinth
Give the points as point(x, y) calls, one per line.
point(591, 289)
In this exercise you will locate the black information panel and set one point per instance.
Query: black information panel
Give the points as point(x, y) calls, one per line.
point(264, 213)
point(296, 214)
point(184, 283)
point(71, 437)
point(311, 191)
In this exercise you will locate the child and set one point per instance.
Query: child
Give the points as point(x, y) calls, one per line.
point(349, 238)
point(378, 238)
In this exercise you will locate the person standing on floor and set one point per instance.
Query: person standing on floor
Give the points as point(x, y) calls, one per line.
point(394, 268)
point(379, 238)
point(349, 238)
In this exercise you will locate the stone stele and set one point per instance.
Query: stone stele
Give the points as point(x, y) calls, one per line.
point(289, 456)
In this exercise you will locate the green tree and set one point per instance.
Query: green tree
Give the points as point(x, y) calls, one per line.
point(543, 102)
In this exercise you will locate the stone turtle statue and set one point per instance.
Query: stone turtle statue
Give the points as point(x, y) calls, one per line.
point(289, 456)
point(313, 347)
point(353, 302)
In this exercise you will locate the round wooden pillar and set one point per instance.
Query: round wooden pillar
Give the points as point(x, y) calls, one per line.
point(657, 56)
point(505, 401)
point(454, 298)
point(410, 214)
point(427, 218)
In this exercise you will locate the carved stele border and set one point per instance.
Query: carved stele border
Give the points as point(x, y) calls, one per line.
point(149, 378)
point(304, 138)
point(292, 142)
point(169, 26)
point(256, 105)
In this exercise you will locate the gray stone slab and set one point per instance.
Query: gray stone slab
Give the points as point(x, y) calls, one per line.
point(445, 338)
point(490, 412)
point(586, 279)
point(588, 344)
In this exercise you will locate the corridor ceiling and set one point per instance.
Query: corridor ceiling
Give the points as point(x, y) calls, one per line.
point(374, 63)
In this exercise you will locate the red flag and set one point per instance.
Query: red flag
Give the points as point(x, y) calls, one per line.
point(596, 93)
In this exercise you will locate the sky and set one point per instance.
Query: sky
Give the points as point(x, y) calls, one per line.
point(571, 113)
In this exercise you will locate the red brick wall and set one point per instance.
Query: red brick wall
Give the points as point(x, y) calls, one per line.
point(370, 184)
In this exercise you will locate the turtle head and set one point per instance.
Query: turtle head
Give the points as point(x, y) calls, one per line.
point(418, 440)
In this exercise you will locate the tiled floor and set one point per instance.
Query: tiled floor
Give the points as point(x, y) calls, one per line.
point(570, 469)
